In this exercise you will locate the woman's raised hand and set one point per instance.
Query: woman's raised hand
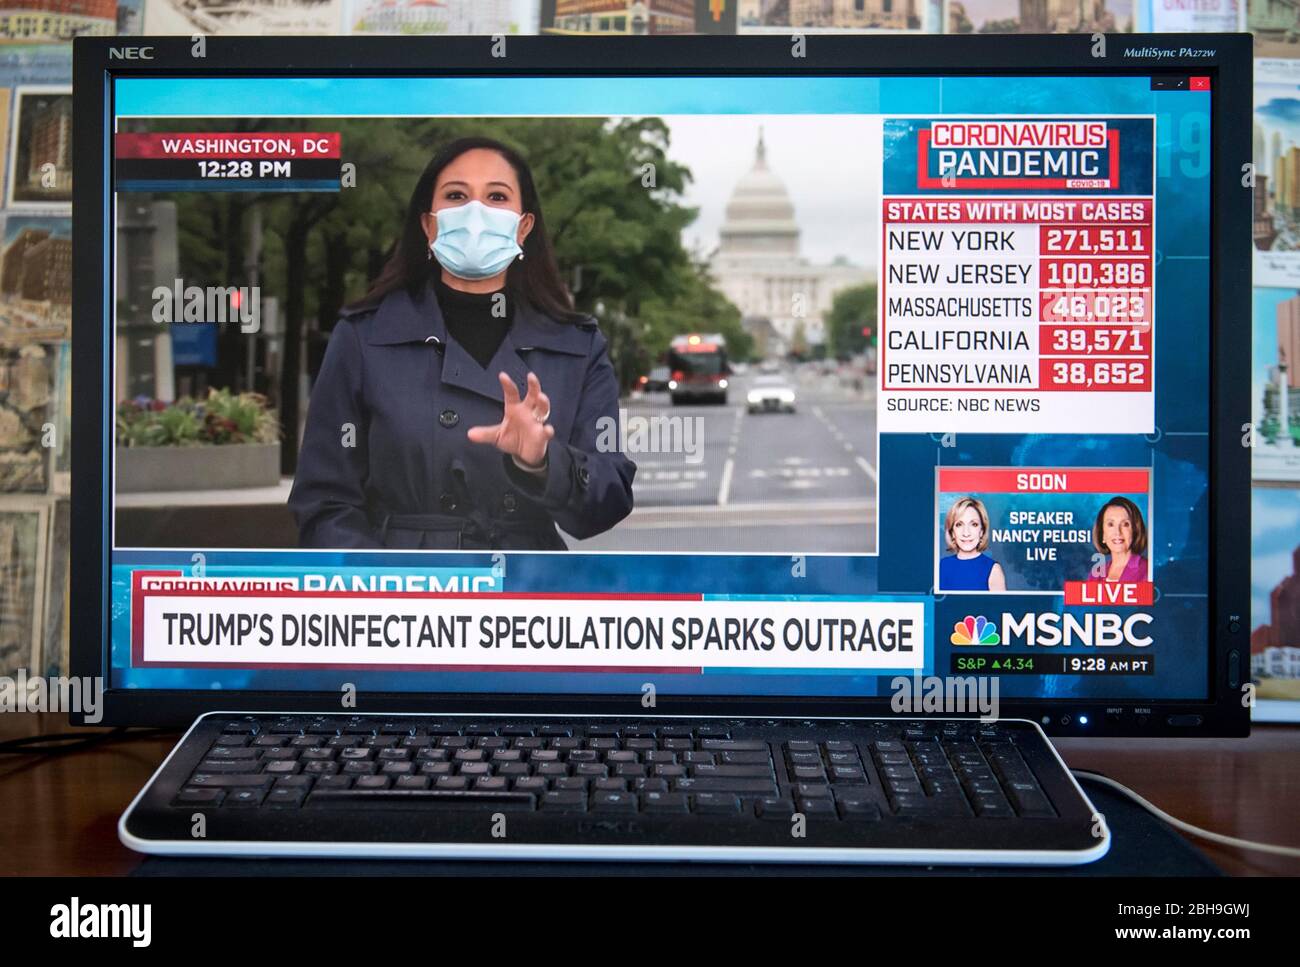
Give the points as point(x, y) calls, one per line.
point(523, 431)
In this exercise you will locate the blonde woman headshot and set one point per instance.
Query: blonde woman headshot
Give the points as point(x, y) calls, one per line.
point(966, 533)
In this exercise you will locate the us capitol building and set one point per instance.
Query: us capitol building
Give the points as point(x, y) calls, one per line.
point(758, 267)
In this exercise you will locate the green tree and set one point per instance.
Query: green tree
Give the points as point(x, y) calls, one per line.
point(696, 307)
point(852, 311)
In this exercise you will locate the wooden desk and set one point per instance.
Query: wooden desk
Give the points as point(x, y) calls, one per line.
point(58, 815)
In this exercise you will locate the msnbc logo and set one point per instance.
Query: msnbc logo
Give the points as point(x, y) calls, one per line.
point(974, 631)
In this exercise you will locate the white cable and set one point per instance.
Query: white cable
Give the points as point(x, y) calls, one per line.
point(1187, 828)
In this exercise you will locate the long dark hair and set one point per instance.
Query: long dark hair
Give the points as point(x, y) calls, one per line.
point(535, 278)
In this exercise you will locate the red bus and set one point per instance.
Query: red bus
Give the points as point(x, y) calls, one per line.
point(697, 368)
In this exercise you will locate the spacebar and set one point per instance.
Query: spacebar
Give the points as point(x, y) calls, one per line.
point(422, 798)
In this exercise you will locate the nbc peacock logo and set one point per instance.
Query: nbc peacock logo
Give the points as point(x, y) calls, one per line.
point(974, 631)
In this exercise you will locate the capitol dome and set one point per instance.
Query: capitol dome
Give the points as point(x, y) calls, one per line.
point(760, 216)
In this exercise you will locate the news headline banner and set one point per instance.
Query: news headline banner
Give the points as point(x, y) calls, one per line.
point(184, 621)
point(1041, 523)
point(1016, 275)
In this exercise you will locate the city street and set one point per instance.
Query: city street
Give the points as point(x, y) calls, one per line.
point(784, 483)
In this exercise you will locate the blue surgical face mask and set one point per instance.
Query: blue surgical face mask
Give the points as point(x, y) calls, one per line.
point(475, 241)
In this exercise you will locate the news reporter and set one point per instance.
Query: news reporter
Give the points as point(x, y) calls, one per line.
point(966, 533)
point(1121, 533)
point(473, 392)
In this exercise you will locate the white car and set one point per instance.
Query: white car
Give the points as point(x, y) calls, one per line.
point(771, 394)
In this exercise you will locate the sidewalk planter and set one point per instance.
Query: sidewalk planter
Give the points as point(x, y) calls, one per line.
point(222, 442)
point(197, 468)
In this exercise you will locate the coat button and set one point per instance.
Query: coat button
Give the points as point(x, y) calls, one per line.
point(449, 418)
point(447, 502)
point(584, 477)
point(509, 503)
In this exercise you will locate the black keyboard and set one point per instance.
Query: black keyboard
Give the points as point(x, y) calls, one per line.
point(763, 784)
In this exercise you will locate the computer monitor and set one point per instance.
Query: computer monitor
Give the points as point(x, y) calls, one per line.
point(869, 376)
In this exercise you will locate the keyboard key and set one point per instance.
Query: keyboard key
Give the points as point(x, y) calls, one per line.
point(1031, 805)
point(244, 797)
point(196, 796)
point(737, 786)
point(286, 797)
point(809, 790)
point(733, 772)
point(777, 809)
point(903, 787)
point(665, 802)
point(614, 802)
point(860, 810)
point(716, 804)
point(817, 807)
point(215, 767)
point(566, 801)
point(229, 782)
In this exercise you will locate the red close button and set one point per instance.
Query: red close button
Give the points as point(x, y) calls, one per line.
point(1199, 84)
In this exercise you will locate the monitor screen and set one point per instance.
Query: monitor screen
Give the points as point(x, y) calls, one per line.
point(676, 385)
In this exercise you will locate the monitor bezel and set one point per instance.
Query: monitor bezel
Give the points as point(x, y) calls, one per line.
point(98, 60)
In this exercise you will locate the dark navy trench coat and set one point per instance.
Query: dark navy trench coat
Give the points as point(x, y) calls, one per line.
point(412, 479)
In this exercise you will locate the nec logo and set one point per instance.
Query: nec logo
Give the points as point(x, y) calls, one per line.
point(130, 53)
